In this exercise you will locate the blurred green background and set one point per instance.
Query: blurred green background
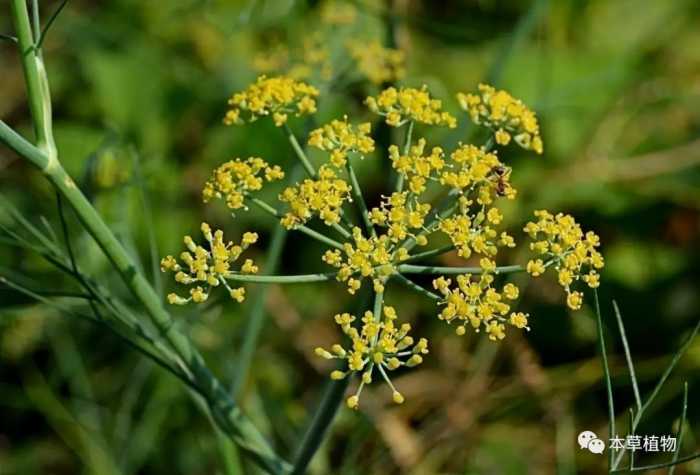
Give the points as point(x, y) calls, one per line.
point(139, 91)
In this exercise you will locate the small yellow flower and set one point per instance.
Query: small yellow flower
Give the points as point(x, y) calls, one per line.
point(210, 267)
point(379, 344)
point(276, 96)
point(236, 179)
point(322, 197)
point(417, 167)
point(535, 267)
point(478, 304)
point(402, 215)
point(574, 300)
point(572, 254)
point(504, 114)
point(409, 104)
point(372, 258)
point(340, 138)
point(510, 291)
point(502, 137)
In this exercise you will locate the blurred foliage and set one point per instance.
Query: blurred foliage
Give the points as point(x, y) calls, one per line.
point(139, 92)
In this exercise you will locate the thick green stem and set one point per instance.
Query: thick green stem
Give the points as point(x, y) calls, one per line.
point(227, 414)
point(35, 80)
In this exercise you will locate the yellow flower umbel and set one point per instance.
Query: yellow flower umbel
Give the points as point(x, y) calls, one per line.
point(416, 167)
point(475, 232)
point(208, 267)
point(323, 197)
point(340, 138)
point(559, 242)
point(380, 345)
point(277, 97)
point(408, 104)
point(371, 258)
point(478, 304)
point(235, 179)
point(402, 214)
point(505, 115)
point(379, 64)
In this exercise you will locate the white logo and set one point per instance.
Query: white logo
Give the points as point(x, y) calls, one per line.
point(589, 440)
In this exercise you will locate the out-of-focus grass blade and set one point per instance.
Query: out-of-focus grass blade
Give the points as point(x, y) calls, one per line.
point(628, 356)
point(655, 392)
point(674, 361)
point(74, 434)
point(606, 373)
point(679, 435)
point(146, 209)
